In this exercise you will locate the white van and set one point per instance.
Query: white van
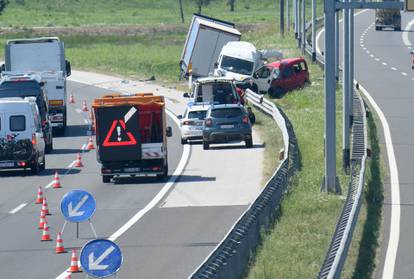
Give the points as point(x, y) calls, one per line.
point(21, 138)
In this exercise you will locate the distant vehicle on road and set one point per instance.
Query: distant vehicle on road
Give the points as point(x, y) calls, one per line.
point(214, 90)
point(30, 86)
point(227, 123)
point(205, 39)
point(388, 18)
point(21, 137)
point(191, 123)
point(131, 135)
point(281, 76)
point(46, 58)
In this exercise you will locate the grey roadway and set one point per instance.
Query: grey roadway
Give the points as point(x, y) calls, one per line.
point(170, 241)
point(383, 67)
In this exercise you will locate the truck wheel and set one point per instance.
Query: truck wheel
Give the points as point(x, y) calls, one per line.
point(184, 141)
point(43, 165)
point(377, 28)
point(249, 142)
point(35, 168)
point(106, 178)
point(397, 28)
point(206, 145)
point(49, 146)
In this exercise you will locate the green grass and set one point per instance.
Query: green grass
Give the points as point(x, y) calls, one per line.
point(121, 12)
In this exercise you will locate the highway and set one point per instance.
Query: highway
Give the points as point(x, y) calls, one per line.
point(383, 68)
point(164, 228)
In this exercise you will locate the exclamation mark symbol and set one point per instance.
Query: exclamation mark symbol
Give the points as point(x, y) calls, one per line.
point(118, 129)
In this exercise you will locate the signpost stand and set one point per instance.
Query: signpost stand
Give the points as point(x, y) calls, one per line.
point(78, 206)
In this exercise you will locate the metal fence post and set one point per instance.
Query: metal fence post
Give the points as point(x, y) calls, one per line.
point(351, 61)
point(288, 16)
point(303, 25)
point(313, 30)
point(299, 19)
point(337, 16)
point(295, 17)
point(330, 102)
point(345, 87)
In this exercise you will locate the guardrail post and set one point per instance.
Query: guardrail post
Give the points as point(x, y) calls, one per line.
point(346, 91)
point(351, 62)
point(330, 184)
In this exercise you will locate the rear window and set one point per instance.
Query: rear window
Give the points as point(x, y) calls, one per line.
point(226, 113)
point(17, 123)
point(200, 115)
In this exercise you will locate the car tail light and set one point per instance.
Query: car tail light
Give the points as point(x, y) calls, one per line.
point(208, 122)
point(34, 141)
point(156, 168)
point(245, 120)
point(21, 164)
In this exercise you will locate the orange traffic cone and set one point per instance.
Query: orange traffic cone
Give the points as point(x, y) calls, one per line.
point(74, 268)
point(45, 209)
point(90, 144)
point(84, 106)
point(42, 220)
point(45, 234)
point(39, 198)
point(78, 162)
point(56, 181)
point(59, 244)
point(71, 99)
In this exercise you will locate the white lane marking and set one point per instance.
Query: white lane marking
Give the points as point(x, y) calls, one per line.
point(49, 185)
point(377, 59)
point(18, 208)
point(364, 48)
point(84, 146)
point(405, 38)
point(161, 194)
point(393, 68)
point(385, 64)
point(372, 55)
point(78, 110)
point(404, 74)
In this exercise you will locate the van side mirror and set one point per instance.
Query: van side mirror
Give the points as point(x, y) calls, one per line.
point(68, 68)
point(180, 116)
point(3, 68)
point(186, 95)
point(42, 83)
point(169, 131)
point(216, 65)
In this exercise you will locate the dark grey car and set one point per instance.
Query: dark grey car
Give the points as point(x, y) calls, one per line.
point(227, 123)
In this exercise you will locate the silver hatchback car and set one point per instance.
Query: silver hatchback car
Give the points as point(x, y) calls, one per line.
point(227, 123)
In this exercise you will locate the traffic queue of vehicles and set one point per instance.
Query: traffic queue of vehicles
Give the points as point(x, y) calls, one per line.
point(32, 101)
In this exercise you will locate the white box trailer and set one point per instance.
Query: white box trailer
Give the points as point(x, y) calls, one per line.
point(45, 57)
point(205, 39)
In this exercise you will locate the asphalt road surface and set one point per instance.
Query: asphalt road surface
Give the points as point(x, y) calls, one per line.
point(383, 68)
point(170, 240)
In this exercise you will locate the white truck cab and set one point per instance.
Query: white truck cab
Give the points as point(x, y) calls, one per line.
point(46, 58)
point(21, 138)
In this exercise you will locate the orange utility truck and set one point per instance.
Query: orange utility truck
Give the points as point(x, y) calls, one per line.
point(131, 135)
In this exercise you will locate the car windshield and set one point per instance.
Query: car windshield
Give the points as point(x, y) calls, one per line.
point(226, 113)
point(200, 114)
point(236, 65)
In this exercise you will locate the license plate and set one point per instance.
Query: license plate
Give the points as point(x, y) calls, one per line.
point(195, 128)
point(227, 126)
point(132, 169)
point(6, 164)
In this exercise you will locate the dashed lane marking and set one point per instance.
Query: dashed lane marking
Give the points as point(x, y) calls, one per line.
point(20, 207)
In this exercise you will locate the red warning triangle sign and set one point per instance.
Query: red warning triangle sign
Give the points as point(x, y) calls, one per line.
point(115, 133)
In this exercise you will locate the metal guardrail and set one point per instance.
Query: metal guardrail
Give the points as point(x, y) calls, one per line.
point(231, 257)
point(338, 249)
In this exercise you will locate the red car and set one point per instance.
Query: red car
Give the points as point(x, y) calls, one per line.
point(281, 76)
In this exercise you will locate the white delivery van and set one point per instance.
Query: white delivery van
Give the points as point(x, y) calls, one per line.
point(239, 60)
point(203, 44)
point(46, 58)
point(21, 137)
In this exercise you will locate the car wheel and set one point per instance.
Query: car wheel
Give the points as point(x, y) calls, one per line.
point(377, 28)
point(249, 142)
point(106, 178)
point(277, 92)
point(184, 141)
point(206, 145)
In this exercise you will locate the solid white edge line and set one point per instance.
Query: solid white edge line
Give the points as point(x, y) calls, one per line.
point(161, 194)
point(18, 208)
point(388, 271)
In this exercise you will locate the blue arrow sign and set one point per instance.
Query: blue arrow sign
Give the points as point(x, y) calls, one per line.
point(101, 258)
point(78, 206)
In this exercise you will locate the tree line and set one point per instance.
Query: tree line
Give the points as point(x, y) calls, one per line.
point(203, 3)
